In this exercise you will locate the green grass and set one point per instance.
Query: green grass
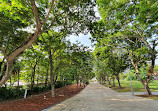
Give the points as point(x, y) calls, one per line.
point(137, 86)
point(155, 98)
point(154, 85)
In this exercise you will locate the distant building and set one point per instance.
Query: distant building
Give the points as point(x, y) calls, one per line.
point(21, 83)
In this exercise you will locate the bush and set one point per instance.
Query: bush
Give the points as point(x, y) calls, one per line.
point(87, 82)
point(11, 93)
point(38, 89)
point(68, 82)
point(18, 92)
point(4, 93)
point(59, 84)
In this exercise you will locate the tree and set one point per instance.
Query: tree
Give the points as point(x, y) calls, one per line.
point(32, 57)
point(76, 54)
point(43, 15)
point(139, 57)
point(132, 19)
point(86, 66)
point(17, 68)
point(52, 42)
point(112, 60)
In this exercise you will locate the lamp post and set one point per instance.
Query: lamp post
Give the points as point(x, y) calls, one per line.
point(131, 82)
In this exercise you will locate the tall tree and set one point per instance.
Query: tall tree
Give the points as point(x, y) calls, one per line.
point(132, 19)
point(52, 42)
point(32, 57)
point(41, 16)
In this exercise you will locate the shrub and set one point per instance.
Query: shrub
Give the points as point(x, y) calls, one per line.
point(68, 82)
point(59, 84)
point(38, 89)
point(11, 93)
point(87, 82)
point(4, 93)
point(18, 92)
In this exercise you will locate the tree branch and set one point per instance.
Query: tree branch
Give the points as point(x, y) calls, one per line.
point(53, 21)
point(35, 13)
point(31, 39)
point(132, 61)
point(142, 38)
point(130, 40)
point(50, 8)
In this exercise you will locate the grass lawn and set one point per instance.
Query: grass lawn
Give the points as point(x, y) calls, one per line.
point(153, 97)
point(149, 97)
point(137, 86)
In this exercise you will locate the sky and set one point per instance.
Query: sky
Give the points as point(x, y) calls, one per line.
point(84, 39)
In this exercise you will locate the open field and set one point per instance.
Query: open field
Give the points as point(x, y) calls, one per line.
point(137, 86)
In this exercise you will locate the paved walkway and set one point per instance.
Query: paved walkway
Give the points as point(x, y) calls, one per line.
point(96, 97)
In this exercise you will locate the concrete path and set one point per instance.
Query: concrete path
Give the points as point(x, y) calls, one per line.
point(96, 97)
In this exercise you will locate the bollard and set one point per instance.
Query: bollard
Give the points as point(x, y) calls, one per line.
point(25, 93)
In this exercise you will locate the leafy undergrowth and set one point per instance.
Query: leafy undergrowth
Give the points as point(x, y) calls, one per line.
point(41, 101)
point(155, 97)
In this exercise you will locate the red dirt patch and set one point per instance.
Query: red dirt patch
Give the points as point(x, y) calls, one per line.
point(38, 103)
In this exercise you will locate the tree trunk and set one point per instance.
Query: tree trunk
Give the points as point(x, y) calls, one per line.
point(18, 77)
point(147, 89)
point(7, 74)
point(101, 80)
point(84, 79)
point(51, 73)
point(46, 80)
point(150, 71)
point(110, 81)
point(33, 77)
point(3, 71)
point(80, 83)
point(113, 79)
point(107, 80)
point(118, 80)
point(10, 81)
point(77, 82)
point(153, 56)
point(76, 77)
point(28, 43)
